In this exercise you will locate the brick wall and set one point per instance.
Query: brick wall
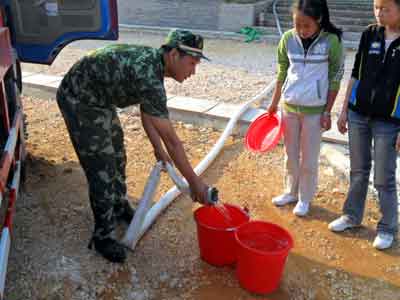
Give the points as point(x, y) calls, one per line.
point(198, 14)
point(194, 14)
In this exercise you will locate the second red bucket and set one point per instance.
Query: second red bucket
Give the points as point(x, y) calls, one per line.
point(262, 249)
point(216, 226)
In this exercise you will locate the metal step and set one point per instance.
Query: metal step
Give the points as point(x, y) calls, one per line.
point(351, 16)
point(351, 39)
point(336, 4)
point(336, 19)
point(346, 12)
point(339, 22)
point(345, 27)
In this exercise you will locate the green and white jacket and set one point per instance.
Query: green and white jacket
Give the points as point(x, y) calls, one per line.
point(308, 76)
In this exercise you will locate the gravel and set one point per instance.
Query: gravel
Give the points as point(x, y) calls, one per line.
point(49, 258)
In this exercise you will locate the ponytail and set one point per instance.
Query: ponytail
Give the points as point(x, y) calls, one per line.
point(326, 23)
point(318, 10)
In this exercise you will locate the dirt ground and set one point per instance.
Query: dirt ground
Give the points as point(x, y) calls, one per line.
point(238, 84)
point(50, 259)
point(237, 71)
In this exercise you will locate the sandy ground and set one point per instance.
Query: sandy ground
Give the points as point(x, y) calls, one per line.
point(237, 70)
point(213, 82)
point(53, 224)
point(50, 260)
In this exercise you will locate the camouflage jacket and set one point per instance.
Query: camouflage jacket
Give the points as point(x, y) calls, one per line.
point(120, 75)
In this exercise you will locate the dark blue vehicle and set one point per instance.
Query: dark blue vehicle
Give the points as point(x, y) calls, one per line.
point(35, 31)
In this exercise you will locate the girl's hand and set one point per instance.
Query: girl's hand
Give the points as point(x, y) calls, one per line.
point(272, 109)
point(342, 122)
point(398, 143)
point(326, 122)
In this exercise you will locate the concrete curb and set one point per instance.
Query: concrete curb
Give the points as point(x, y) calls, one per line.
point(226, 35)
point(212, 34)
point(202, 112)
point(209, 113)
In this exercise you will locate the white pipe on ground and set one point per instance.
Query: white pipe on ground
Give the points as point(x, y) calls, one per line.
point(174, 192)
point(132, 235)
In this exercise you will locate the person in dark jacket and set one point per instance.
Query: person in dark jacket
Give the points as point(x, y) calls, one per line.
point(372, 112)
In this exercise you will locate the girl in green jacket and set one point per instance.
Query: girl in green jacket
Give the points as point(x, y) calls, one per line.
point(310, 67)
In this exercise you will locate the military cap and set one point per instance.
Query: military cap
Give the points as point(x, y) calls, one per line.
point(186, 41)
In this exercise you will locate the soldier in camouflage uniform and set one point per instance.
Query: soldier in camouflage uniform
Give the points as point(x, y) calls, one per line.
point(119, 76)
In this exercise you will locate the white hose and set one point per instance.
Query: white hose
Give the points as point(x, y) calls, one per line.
point(133, 234)
point(169, 196)
point(180, 182)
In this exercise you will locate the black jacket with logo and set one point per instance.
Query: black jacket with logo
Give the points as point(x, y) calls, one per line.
point(376, 91)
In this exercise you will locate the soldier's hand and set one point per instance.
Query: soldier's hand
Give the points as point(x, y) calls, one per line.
point(198, 191)
point(161, 155)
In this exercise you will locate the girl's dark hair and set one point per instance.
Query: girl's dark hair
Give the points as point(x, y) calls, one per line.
point(318, 10)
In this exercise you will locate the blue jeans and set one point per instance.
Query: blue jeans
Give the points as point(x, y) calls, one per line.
point(362, 131)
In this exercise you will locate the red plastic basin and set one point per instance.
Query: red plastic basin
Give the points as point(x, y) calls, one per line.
point(264, 133)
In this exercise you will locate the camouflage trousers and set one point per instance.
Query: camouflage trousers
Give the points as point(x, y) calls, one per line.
point(98, 139)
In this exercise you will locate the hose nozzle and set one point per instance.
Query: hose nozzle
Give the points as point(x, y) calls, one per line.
point(212, 192)
point(212, 196)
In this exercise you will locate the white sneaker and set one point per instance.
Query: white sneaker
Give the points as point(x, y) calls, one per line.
point(301, 208)
point(383, 240)
point(283, 199)
point(341, 224)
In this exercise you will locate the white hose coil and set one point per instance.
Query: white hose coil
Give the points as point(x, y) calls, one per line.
point(174, 192)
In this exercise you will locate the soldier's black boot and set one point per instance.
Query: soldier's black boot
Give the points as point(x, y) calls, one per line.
point(109, 248)
point(124, 212)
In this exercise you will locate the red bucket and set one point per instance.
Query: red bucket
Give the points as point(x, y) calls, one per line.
point(262, 249)
point(264, 133)
point(215, 232)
